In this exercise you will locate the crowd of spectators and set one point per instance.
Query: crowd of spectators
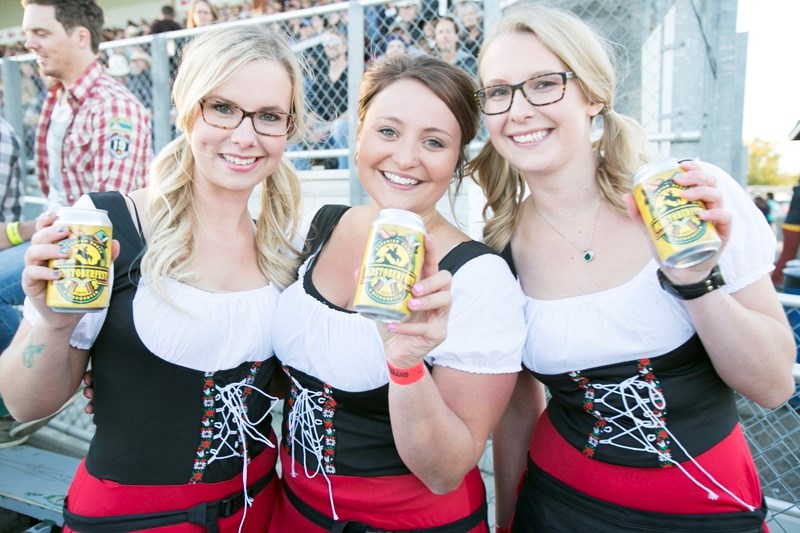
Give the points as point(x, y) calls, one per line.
point(399, 27)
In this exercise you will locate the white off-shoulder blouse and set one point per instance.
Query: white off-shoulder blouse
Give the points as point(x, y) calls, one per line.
point(638, 318)
point(484, 335)
point(189, 334)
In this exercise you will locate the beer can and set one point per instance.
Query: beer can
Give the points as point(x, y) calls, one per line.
point(680, 236)
point(392, 265)
point(85, 283)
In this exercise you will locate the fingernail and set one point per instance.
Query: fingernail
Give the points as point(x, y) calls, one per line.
point(64, 250)
point(391, 326)
point(416, 289)
point(413, 303)
point(60, 229)
point(57, 273)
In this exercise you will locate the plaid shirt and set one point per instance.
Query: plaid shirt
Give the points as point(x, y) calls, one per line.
point(107, 145)
point(10, 193)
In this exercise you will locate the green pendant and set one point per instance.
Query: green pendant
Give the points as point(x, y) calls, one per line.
point(588, 255)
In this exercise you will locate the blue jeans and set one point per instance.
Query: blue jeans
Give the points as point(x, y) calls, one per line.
point(12, 261)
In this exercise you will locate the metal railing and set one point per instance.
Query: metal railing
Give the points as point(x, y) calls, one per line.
point(661, 40)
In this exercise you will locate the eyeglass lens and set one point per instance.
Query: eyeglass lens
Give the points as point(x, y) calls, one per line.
point(228, 116)
point(541, 90)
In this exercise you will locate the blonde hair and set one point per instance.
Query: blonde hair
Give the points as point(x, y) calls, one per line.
point(207, 63)
point(621, 148)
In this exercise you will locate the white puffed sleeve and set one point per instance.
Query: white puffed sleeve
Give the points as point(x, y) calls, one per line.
point(486, 330)
point(750, 251)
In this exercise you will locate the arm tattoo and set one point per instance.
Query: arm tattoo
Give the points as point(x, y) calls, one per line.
point(30, 352)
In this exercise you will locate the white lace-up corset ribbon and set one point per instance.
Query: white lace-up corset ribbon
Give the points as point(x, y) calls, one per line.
point(643, 413)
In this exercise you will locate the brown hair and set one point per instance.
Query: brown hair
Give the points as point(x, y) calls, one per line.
point(449, 83)
point(76, 13)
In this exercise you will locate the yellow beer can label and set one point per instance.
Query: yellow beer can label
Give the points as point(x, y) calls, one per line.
point(85, 284)
point(680, 236)
point(392, 265)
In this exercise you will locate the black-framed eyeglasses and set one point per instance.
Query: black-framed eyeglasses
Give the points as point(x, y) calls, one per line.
point(227, 116)
point(544, 89)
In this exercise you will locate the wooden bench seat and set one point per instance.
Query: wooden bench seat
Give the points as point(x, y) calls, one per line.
point(34, 482)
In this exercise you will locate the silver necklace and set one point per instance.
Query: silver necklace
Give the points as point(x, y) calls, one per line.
point(586, 253)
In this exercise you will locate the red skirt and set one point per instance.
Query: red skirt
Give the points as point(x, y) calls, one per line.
point(665, 490)
point(386, 502)
point(92, 497)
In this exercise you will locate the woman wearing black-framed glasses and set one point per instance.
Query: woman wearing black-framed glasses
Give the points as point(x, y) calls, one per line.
point(641, 360)
point(182, 360)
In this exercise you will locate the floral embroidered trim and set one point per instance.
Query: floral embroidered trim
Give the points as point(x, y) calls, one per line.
point(290, 401)
point(206, 429)
point(244, 394)
point(588, 405)
point(328, 411)
point(207, 421)
point(661, 436)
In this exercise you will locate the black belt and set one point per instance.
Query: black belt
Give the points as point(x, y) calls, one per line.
point(548, 504)
point(204, 514)
point(322, 520)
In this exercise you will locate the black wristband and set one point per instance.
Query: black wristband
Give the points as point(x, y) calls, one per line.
point(690, 291)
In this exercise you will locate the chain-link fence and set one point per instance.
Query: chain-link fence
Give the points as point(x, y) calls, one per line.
point(681, 63)
point(774, 438)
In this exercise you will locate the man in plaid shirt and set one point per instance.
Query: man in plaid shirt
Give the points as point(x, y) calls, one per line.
point(93, 134)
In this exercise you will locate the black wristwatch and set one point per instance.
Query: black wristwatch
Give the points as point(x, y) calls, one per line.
point(693, 290)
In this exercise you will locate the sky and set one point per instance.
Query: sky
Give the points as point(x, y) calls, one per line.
point(772, 80)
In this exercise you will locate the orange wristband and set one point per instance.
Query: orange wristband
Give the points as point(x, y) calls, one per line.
point(406, 376)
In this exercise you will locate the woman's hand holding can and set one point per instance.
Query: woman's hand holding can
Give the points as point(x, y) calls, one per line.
point(407, 343)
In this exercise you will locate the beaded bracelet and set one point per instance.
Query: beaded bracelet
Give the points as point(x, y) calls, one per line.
point(12, 232)
point(406, 376)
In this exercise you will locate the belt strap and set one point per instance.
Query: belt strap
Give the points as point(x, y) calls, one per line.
point(204, 514)
point(320, 519)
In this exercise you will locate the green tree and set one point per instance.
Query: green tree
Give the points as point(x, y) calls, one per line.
point(762, 165)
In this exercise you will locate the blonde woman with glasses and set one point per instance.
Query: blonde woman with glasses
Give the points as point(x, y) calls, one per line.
point(182, 360)
point(641, 432)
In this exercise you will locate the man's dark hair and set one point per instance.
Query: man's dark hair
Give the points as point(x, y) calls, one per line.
point(167, 11)
point(445, 18)
point(76, 13)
